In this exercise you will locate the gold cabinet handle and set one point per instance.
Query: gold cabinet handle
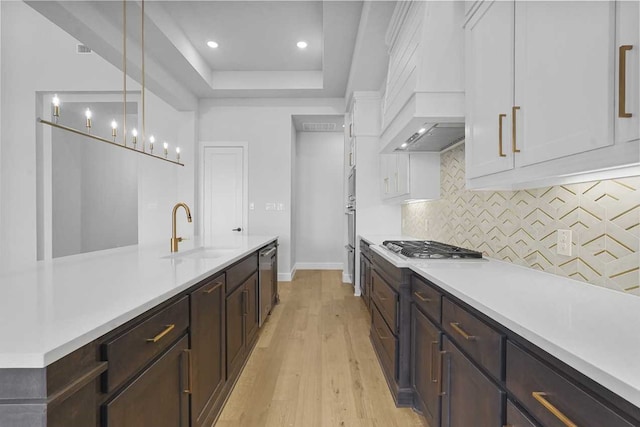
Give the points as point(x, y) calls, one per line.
point(456, 327)
point(168, 328)
point(540, 397)
point(514, 145)
point(434, 344)
point(189, 372)
point(380, 297)
point(500, 118)
point(213, 288)
point(622, 78)
point(421, 298)
point(441, 392)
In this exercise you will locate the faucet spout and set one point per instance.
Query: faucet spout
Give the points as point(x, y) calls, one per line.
point(174, 238)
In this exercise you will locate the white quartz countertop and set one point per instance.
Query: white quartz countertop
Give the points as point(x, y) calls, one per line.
point(592, 329)
point(56, 307)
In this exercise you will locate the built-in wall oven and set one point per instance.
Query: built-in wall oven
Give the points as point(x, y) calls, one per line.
point(350, 212)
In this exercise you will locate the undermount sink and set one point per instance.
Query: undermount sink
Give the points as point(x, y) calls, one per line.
point(200, 253)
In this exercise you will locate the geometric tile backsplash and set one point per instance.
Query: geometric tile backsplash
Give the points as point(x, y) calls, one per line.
point(521, 226)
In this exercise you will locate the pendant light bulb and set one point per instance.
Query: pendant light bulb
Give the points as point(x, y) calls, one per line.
point(88, 114)
point(56, 107)
point(152, 139)
point(134, 139)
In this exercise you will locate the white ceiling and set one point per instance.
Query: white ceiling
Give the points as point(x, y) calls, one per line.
point(254, 35)
point(257, 57)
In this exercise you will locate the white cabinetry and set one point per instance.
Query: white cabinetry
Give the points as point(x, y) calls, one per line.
point(627, 104)
point(542, 91)
point(405, 177)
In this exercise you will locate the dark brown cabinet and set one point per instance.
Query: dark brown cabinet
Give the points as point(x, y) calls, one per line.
point(516, 418)
point(158, 397)
point(551, 398)
point(425, 367)
point(242, 322)
point(470, 398)
point(365, 279)
point(235, 309)
point(207, 344)
point(251, 312)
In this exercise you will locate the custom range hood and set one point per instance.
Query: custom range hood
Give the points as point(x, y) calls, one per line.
point(424, 102)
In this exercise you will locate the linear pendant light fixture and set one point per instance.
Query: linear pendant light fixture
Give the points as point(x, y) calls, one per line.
point(114, 124)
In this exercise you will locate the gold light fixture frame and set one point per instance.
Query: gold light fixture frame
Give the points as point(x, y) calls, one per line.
point(124, 121)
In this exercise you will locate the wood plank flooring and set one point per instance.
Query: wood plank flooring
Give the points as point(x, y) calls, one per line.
point(314, 365)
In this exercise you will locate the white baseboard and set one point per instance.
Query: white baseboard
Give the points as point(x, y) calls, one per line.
point(346, 278)
point(319, 266)
point(287, 277)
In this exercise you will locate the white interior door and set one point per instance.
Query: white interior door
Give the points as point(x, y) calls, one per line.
point(223, 193)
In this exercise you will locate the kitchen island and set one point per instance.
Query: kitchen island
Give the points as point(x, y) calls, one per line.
point(61, 321)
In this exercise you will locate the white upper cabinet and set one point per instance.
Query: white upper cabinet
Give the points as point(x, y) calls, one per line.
point(414, 176)
point(489, 85)
point(545, 89)
point(628, 68)
point(564, 77)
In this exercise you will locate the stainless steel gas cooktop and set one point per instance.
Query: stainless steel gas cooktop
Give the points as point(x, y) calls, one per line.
point(428, 249)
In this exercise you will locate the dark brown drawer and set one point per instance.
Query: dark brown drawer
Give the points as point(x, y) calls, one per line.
point(364, 248)
point(427, 298)
point(386, 342)
point(386, 299)
point(129, 352)
point(548, 396)
point(237, 274)
point(515, 417)
point(483, 343)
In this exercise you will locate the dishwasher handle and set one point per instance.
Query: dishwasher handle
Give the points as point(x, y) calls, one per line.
point(267, 253)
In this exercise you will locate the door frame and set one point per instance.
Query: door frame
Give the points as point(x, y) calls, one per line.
point(245, 180)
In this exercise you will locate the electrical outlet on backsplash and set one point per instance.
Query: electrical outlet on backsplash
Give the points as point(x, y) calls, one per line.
point(521, 226)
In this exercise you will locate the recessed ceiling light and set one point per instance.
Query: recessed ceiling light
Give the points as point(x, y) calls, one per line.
point(212, 44)
point(422, 130)
point(302, 45)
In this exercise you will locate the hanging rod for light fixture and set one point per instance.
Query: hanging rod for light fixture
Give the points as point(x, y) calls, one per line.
point(56, 111)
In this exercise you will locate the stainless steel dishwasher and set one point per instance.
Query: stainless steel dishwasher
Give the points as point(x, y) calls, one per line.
point(266, 280)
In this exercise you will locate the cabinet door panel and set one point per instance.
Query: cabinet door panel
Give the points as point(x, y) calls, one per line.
point(489, 75)
point(235, 309)
point(425, 349)
point(156, 398)
point(251, 316)
point(207, 342)
point(515, 417)
point(564, 78)
point(628, 34)
point(470, 399)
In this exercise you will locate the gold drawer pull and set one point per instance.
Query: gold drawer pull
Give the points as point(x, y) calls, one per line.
point(213, 288)
point(513, 129)
point(380, 297)
point(421, 298)
point(189, 372)
point(539, 396)
point(622, 85)
point(456, 327)
point(500, 117)
point(162, 334)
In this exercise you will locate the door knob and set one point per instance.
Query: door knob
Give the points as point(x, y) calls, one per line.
point(237, 229)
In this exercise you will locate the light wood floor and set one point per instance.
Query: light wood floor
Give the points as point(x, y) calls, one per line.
point(314, 364)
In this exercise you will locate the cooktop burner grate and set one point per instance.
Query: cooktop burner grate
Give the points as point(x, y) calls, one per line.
point(429, 249)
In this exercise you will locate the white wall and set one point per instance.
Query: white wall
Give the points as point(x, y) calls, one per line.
point(36, 57)
point(319, 208)
point(266, 125)
point(294, 198)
